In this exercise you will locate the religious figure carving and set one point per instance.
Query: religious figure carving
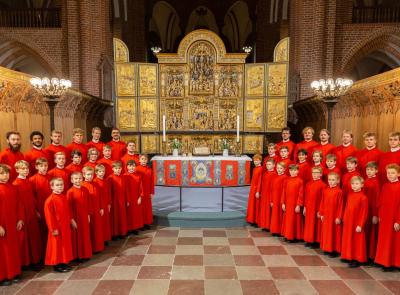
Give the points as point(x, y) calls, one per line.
point(228, 85)
point(147, 80)
point(175, 83)
point(201, 65)
point(201, 114)
point(277, 77)
point(227, 114)
point(255, 80)
point(174, 110)
point(276, 114)
point(254, 114)
point(126, 114)
point(125, 79)
point(148, 117)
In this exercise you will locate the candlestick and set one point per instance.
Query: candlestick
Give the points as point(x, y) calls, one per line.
point(163, 126)
point(237, 129)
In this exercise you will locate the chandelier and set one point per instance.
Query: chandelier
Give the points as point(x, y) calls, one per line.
point(247, 49)
point(156, 49)
point(331, 89)
point(51, 88)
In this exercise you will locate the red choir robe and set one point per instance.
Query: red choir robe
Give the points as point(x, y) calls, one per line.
point(59, 248)
point(313, 166)
point(134, 190)
point(387, 249)
point(34, 154)
point(71, 168)
point(268, 157)
point(106, 198)
point(146, 174)
point(107, 163)
point(354, 245)
point(128, 157)
point(346, 183)
point(312, 202)
point(10, 158)
point(118, 149)
point(326, 149)
point(30, 236)
point(342, 153)
point(327, 170)
point(90, 164)
point(371, 190)
point(10, 213)
point(331, 208)
point(276, 211)
point(365, 156)
point(96, 220)
point(291, 147)
point(52, 149)
point(253, 204)
point(386, 159)
point(116, 187)
point(304, 171)
point(62, 173)
point(79, 208)
point(306, 145)
point(80, 147)
point(41, 191)
point(292, 196)
point(287, 162)
point(265, 199)
point(97, 145)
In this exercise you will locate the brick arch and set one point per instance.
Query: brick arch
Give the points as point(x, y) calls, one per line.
point(33, 51)
point(389, 40)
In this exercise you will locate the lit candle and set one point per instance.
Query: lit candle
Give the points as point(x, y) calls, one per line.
point(237, 129)
point(163, 129)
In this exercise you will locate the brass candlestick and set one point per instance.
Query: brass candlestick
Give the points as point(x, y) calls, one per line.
point(164, 148)
point(238, 151)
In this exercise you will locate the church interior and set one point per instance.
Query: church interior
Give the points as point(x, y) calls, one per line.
point(199, 97)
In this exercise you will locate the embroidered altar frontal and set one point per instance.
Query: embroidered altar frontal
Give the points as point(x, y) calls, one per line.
point(201, 171)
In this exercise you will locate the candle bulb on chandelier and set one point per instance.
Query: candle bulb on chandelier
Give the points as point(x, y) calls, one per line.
point(237, 129)
point(163, 126)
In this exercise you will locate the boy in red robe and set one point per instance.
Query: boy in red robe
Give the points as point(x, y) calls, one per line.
point(36, 152)
point(11, 223)
point(291, 202)
point(96, 142)
point(271, 154)
point(345, 150)
point(284, 157)
point(312, 201)
point(354, 246)
point(12, 154)
point(390, 157)
point(331, 212)
point(56, 147)
point(276, 194)
point(146, 174)
point(59, 222)
point(76, 163)
point(93, 155)
point(253, 203)
point(369, 154)
point(304, 166)
point(387, 249)
point(317, 159)
point(308, 143)
point(106, 160)
point(287, 142)
point(117, 145)
point(101, 183)
point(372, 190)
point(116, 186)
point(331, 166)
point(41, 190)
point(352, 171)
point(324, 145)
point(134, 192)
point(77, 144)
point(130, 154)
point(59, 171)
point(79, 208)
point(97, 210)
point(31, 247)
point(265, 197)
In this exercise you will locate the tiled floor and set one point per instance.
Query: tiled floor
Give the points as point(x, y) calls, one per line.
point(212, 262)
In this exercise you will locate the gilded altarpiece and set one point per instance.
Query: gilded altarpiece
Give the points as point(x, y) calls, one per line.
point(201, 90)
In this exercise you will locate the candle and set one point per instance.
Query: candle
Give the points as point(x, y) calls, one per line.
point(237, 128)
point(163, 129)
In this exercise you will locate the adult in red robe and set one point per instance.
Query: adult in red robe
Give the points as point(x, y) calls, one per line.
point(324, 145)
point(345, 150)
point(287, 142)
point(354, 246)
point(291, 201)
point(11, 215)
point(31, 241)
point(308, 143)
point(253, 202)
point(118, 147)
point(55, 147)
point(134, 193)
point(12, 154)
point(368, 154)
point(96, 142)
point(106, 198)
point(276, 194)
point(331, 212)
point(146, 174)
point(130, 155)
point(387, 253)
point(36, 152)
point(390, 157)
point(77, 144)
point(265, 196)
point(79, 208)
point(312, 202)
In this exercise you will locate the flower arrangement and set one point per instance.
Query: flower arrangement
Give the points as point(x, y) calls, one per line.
point(176, 145)
point(224, 144)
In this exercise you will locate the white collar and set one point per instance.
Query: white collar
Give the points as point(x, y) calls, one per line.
point(37, 148)
point(95, 141)
point(55, 144)
point(369, 149)
point(394, 181)
point(60, 167)
point(287, 140)
point(393, 150)
point(324, 143)
point(21, 177)
point(346, 144)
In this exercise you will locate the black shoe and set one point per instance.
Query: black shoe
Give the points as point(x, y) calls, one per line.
point(36, 267)
point(333, 254)
point(388, 269)
point(16, 279)
point(59, 268)
point(314, 246)
point(106, 243)
point(147, 226)
point(114, 238)
point(6, 283)
point(354, 264)
point(308, 245)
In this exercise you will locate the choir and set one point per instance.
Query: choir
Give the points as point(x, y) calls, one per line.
point(61, 204)
point(340, 199)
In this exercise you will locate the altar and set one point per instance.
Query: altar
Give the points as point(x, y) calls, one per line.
point(201, 184)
